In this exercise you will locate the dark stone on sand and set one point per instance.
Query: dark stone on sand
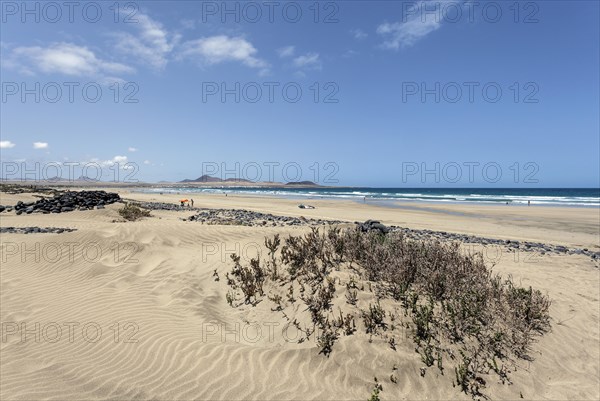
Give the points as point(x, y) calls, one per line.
point(35, 230)
point(68, 201)
point(371, 225)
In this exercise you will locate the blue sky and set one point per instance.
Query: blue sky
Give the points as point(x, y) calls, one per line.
point(389, 89)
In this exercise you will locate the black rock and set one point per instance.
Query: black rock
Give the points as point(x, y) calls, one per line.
point(370, 225)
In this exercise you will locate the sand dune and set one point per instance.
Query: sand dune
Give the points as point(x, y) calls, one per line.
point(149, 287)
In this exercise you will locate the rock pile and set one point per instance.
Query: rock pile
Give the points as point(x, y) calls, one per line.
point(68, 202)
point(162, 206)
point(35, 230)
point(514, 245)
point(240, 217)
point(444, 236)
point(370, 225)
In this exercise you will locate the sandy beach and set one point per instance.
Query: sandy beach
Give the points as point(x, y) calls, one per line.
point(132, 310)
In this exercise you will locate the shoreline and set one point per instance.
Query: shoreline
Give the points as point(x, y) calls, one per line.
point(496, 221)
point(389, 202)
point(361, 198)
point(161, 273)
point(418, 196)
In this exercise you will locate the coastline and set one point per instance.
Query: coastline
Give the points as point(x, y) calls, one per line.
point(165, 285)
point(497, 221)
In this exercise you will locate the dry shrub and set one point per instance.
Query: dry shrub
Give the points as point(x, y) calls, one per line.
point(455, 303)
point(133, 212)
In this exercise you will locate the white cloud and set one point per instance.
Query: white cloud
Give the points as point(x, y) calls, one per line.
point(132, 149)
point(119, 159)
point(64, 58)
point(146, 161)
point(359, 34)
point(408, 32)
point(287, 51)
point(308, 61)
point(107, 163)
point(152, 46)
point(222, 48)
point(40, 145)
point(6, 145)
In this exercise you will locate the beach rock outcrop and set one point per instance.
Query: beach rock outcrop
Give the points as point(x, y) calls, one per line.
point(371, 225)
point(35, 230)
point(176, 207)
point(241, 217)
point(509, 245)
point(68, 202)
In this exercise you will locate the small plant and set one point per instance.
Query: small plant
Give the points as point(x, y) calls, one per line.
point(249, 279)
point(230, 297)
point(277, 300)
point(377, 388)
point(326, 339)
point(320, 299)
point(422, 319)
point(462, 376)
point(352, 297)
point(132, 212)
point(373, 318)
point(427, 355)
point(290, 294)
point(216, 275)
point(272, 245)
point(346, 323)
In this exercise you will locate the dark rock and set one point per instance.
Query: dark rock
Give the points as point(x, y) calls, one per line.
point(370, 225)
point(35, 230)
point(69, 201)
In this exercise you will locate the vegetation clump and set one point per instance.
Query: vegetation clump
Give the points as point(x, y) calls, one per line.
point(453, 304)
point(132, 212)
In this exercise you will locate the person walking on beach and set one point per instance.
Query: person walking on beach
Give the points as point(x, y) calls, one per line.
point(528, 203)
point(192, 202)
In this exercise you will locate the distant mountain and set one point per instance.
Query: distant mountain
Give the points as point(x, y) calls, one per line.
point(85, 178)
point(81, 178)
point(208, 178)
point(306, 183)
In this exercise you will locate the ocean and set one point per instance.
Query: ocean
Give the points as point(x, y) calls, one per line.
point(586, 197)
